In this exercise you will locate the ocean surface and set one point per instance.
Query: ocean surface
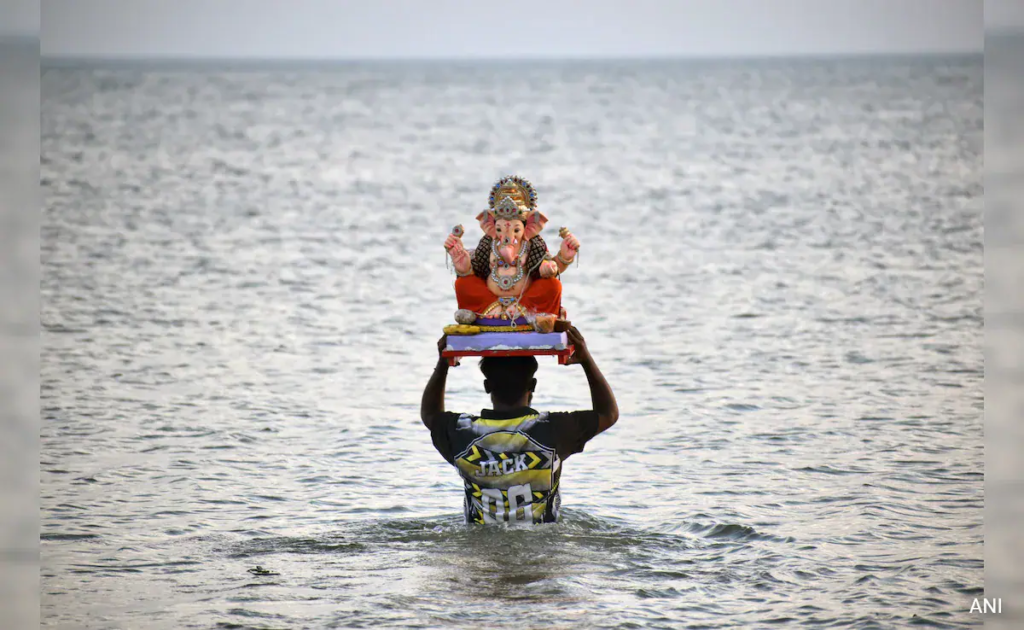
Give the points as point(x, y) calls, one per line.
point(19, 332)
point(781, 276)
point(1004, 327)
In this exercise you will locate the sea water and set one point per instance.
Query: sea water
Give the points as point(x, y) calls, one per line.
point(244, 283)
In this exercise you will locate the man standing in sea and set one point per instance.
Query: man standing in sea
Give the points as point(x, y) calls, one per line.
point(510, 456)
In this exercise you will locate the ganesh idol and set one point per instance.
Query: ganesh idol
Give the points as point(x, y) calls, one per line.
point(510, 275)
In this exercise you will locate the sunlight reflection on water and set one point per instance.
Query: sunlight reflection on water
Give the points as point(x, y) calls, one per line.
point(244, 283)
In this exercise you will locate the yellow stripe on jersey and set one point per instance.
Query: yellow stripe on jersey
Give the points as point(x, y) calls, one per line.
point(505, 424)
point(538, 510)
point(504, 441)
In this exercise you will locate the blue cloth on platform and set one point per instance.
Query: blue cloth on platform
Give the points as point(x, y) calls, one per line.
point(508, 341)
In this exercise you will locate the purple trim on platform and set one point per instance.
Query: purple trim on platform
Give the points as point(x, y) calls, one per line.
point(497, 321)
point(508, 341)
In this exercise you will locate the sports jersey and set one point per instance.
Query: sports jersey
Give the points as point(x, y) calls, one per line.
point(511, 461)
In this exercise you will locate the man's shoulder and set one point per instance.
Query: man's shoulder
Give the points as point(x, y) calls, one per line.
point(452, 415)
point(561, 415)
point(453, 420)
point(443, 418)
point(574, 429)
point(585, 420)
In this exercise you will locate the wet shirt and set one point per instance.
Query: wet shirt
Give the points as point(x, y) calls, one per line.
point(511, 461)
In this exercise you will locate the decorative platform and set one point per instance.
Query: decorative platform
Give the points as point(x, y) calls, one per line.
point(517, 344)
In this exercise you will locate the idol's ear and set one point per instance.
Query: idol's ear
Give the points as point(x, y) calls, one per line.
point(486, 220)
point(534, 224)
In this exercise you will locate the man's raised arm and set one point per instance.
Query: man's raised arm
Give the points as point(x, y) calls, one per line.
point(432, 403)
point(601, 396)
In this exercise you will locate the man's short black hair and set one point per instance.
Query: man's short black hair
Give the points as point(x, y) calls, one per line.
point(508, 378)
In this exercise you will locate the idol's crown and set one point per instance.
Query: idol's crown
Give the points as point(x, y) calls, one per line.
point(507, 209)
point(512, 191)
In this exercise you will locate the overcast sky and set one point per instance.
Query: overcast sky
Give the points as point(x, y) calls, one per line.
point(489, 28)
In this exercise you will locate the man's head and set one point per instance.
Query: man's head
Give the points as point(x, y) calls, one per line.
point(509, 379)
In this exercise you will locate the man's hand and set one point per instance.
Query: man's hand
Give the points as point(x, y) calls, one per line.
point(580, 353)
point(442, 343)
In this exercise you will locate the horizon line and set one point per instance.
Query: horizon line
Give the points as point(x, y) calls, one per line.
point(92, 60)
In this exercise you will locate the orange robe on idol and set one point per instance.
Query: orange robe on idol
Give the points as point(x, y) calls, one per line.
point(544, 295)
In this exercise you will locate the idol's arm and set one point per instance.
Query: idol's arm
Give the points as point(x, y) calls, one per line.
point(555, 265)
point(432, 403)
point(561, 265)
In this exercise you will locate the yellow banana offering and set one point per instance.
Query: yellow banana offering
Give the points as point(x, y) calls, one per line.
point(471, 329)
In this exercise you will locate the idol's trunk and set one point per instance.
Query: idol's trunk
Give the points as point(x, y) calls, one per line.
point(508, 253)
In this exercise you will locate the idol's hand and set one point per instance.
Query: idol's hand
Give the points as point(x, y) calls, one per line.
point(548, 269)
point(458, 253)
point(453, 242)
point(570, 245)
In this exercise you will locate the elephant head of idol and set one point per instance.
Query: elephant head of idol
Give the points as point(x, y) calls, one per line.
point(512, 218)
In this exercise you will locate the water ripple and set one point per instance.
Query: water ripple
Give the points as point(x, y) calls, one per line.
point(243, 284)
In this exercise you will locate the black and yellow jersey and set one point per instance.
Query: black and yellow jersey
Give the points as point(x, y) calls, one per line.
point(511, 461)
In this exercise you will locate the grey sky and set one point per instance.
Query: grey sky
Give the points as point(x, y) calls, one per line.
point(19, 17)
point(467, 28)
point(1004, 15)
